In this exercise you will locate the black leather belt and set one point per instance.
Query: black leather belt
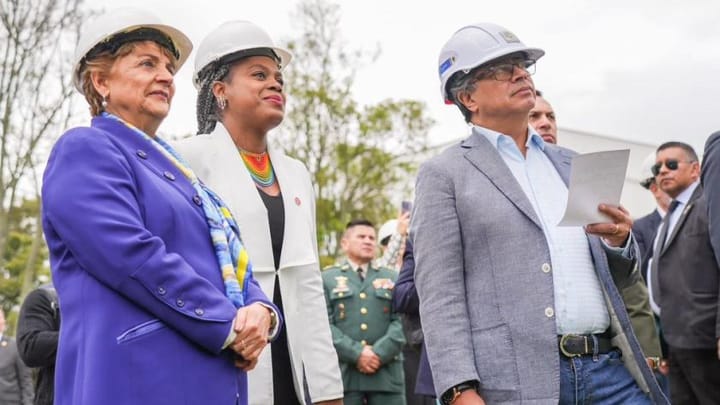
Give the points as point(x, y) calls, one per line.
point(583, 345)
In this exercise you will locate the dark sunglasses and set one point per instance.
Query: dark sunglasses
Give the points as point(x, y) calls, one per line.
point(671, 164)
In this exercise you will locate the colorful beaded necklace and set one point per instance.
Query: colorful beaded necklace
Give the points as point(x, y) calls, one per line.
point(260, 168)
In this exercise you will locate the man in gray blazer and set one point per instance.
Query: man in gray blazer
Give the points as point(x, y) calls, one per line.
point(516, 309)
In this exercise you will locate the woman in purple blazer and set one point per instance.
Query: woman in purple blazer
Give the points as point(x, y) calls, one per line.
point(158, 301)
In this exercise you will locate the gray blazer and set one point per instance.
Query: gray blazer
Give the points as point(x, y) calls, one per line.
point(16, 386)
point(485, 301)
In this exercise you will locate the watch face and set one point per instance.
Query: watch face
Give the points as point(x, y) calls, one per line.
point(451, 395)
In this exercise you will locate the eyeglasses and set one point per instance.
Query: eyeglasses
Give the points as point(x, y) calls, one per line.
point(503, 72)
point(671, 164)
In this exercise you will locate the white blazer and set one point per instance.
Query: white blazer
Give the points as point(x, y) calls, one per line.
point(217, 162)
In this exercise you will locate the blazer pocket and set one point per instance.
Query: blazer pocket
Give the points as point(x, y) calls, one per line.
point(384, 293)
point(496, 361)
point(340, 305)
point(139, 331)
point(340, 294)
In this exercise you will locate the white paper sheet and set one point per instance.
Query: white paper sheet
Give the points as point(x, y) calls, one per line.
point(595, 178)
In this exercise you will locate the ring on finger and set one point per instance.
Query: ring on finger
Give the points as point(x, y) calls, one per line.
point(617, 229)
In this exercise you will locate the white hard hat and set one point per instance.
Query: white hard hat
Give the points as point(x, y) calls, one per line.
point(124, 21)
point(233, 37)
point(477, 44)
point(387, 229)
point(646, 174)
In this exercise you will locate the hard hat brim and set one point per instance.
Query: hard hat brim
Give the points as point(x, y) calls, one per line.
point(284, 55)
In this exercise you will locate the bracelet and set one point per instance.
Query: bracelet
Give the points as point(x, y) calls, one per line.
point(273, 319)
point(451, 395)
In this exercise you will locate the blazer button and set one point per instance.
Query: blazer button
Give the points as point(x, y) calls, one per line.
point(362, 295)
point(199, 312)
point(549, 312)
point(545, 268)
point(363, 342)
point(363, 326)
point(180, 303)
point(141, 154)
point(363, 310)
point(169, 176)
point(161, 291)
point(197, 200)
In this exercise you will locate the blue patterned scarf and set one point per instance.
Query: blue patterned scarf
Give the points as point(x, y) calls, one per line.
point(224, 231)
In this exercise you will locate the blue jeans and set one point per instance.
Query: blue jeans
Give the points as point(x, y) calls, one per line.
point(601, 379)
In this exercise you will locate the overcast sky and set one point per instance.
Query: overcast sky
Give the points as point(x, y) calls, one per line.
point(641, 70)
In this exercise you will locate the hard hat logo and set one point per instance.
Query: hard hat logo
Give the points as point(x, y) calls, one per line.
point(446, 64)
point(509, 37)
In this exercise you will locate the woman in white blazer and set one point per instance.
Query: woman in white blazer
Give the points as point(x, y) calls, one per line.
point(239, 79)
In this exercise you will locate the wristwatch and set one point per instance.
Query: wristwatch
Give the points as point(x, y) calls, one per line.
point(449, 396)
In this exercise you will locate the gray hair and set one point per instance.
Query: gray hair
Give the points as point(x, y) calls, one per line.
point(462, 83)
point(207, 111)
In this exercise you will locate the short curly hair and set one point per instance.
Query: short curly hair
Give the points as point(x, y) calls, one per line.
point(103, 63)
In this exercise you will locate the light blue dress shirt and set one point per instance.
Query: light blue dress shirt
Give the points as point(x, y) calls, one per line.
point(579, 301)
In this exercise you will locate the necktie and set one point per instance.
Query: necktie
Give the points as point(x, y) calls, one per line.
point(666, 225)
point(360, 274)
point(655, 279)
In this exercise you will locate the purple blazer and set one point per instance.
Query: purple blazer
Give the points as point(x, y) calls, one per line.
point(141, 296)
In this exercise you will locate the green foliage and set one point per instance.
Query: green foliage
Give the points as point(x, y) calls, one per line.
point(23, 253)
point(360, 157)
point(36, 41)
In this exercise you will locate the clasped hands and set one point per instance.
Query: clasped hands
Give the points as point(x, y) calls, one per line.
point(368, 362)
point(616, 232)
point(252, 325)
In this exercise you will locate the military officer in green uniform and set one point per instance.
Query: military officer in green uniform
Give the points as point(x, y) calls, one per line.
point(366, 332)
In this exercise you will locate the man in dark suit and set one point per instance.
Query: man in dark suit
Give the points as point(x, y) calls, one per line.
point(684, 277)
point(15, 378)
point(710, 180)
point(37, 338)
point(419, 386)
